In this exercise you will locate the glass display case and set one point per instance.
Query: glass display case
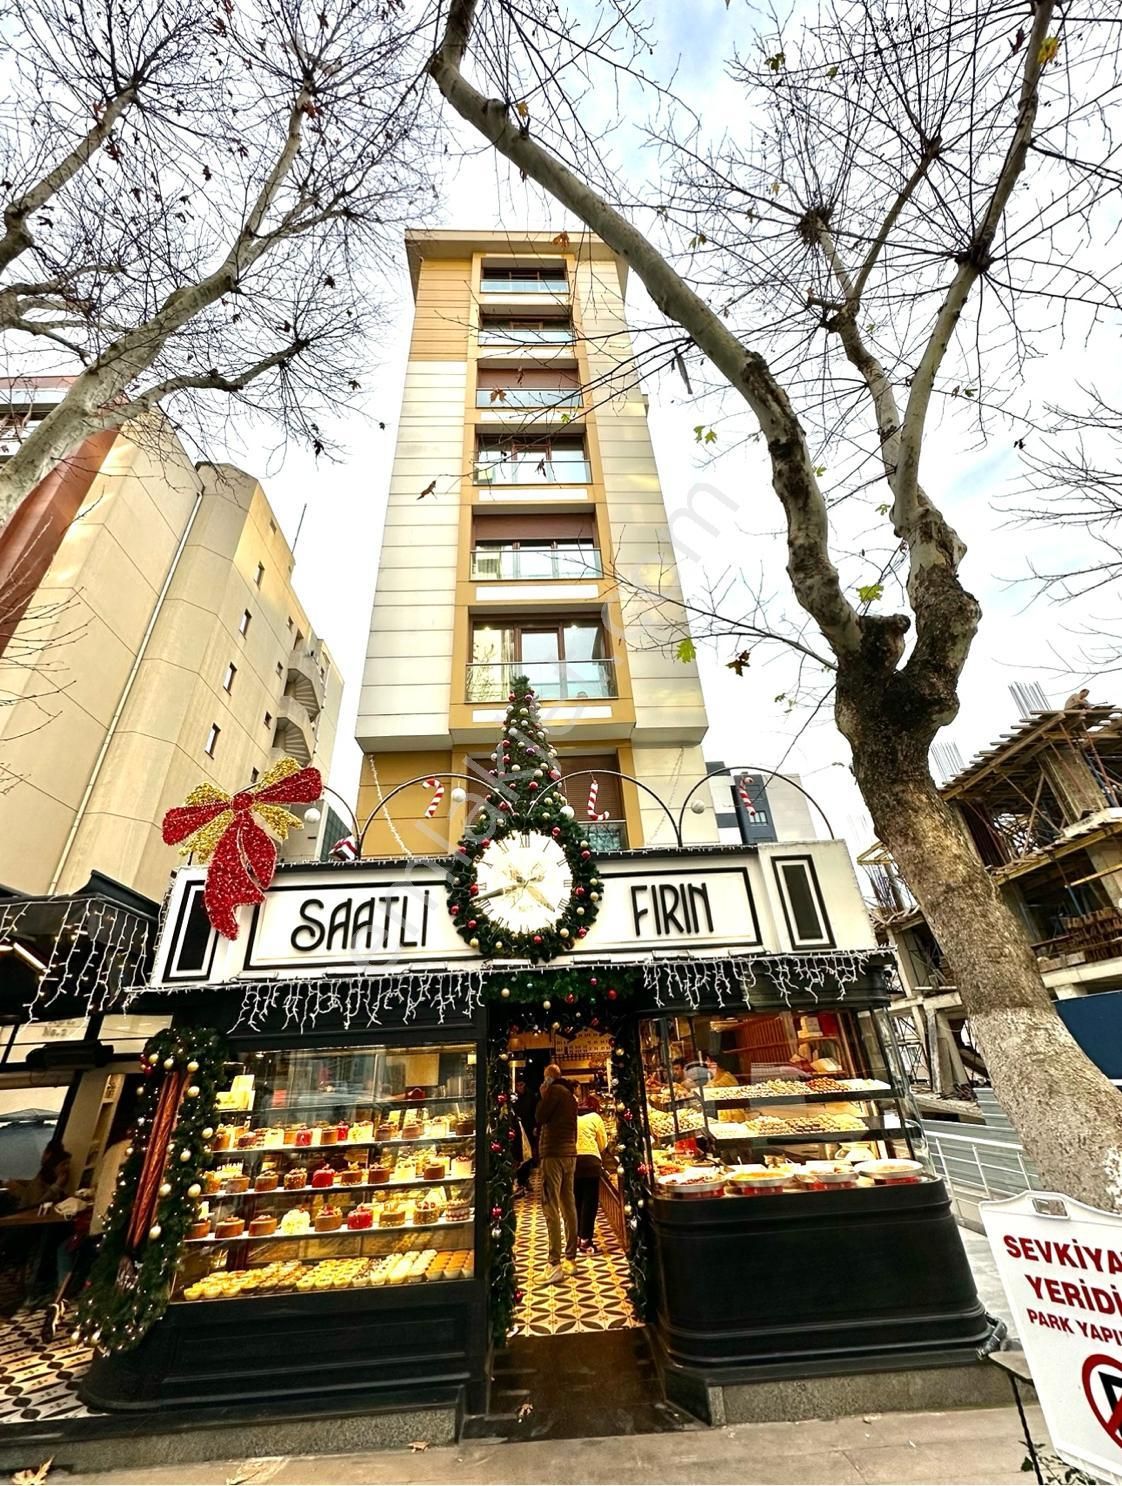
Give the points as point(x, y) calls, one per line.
point(337, 1169)
point(766, 1103)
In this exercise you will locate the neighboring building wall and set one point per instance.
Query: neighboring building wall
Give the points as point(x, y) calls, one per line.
point(415, 717)
point(161, 563)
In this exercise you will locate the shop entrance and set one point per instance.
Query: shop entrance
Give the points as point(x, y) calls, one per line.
point(590, 1293)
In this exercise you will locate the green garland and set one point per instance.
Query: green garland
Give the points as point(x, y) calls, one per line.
point(526, 797)
point(129, 1290)
point(566, 1002)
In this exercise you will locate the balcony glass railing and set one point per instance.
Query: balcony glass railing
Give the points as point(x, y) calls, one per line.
point(553, 680)
point(605, 835)
point(527, 397)
point(514, 283)
point(578, 561)
point(525, 335)
point(531, 469)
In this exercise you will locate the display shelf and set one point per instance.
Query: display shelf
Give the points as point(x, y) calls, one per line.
point(818, 1137)
point(338, 1187)
point(851, 1096)
point(365, 1101)
point(239, 1153)
point(287, 1292)
point(374, 1231)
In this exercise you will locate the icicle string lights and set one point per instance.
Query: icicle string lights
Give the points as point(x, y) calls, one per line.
point(98, 950)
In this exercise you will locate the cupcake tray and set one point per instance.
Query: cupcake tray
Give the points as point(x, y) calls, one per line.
point(341, 1232)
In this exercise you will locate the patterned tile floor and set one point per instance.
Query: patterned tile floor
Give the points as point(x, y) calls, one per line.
point(37, 1381)
point(593, 1299)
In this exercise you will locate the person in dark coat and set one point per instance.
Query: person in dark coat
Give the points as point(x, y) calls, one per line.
point(557, 1137)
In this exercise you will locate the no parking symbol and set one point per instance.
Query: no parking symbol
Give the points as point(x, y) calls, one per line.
point(1102, 1383)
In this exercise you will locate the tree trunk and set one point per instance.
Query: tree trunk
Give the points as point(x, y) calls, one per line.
point(1068, 1114)
point(48, 444)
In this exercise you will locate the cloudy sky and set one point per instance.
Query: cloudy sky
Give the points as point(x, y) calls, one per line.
point(338, 507)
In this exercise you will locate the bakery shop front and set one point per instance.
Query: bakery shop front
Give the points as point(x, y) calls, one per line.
point(320, 1203)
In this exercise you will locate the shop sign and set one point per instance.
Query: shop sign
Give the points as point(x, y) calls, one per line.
point(1061, 1265)
point(386, 916)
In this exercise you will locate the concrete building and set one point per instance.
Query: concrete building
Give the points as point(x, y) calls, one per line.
point(1043, 806)
point(524, 509)
point(151, 639)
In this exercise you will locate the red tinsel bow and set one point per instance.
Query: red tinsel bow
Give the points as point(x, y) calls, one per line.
point(220, 829)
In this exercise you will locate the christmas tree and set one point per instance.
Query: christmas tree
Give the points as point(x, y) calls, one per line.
point(525, 799)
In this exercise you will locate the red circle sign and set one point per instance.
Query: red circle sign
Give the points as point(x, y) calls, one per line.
point(1102, 1384)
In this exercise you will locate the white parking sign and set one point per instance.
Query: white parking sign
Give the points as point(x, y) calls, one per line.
point(1061, 1264)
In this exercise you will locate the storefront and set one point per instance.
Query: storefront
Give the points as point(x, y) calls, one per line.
point(352, 1226)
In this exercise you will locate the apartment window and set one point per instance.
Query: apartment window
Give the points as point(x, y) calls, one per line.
point(268, 722)
point(524, 278)
point(544, 461)
point(537, 387)
point(599, 810)
point(566, 659)
point(290, 624)
point(280, 668)
point(800, 897)
point(254, 775)
point(534, 546)
point(524, 330)
point(260, 574)
point(246, 620)
point(228, 679)
point(212, 740)
point(272, 528)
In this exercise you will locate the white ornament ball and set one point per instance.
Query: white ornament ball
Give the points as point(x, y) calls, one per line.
point(194, 1190)
point(505, 992)
point(169, 1062)
point(153, 1058)
point(155, 1231)
point(580, 913)
point(459, 795)
point(165, 1189)
point(311, 815)
point(698, 807)
point(208, 1132)
point(567, 812)
point(539, 773)
point(193, 1066)
point(193, 1091)
point(516, 768)
point(546, 1005)
point(185, 1156)
point(474, 943)
point(594, 897)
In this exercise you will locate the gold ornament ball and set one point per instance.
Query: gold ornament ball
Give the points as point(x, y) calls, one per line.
point(185, 1156)
point(208, 1132)
point(505, 992)
point(155, 1231)
point(194, 1190)
point(165, 1189)
point(153, 1058)
point(193, 1092)
point(193, 1066)
point(473, 943)
point(169, 1062)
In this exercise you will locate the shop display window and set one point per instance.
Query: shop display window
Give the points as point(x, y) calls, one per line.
point(767, 1103)
point(337, 1169)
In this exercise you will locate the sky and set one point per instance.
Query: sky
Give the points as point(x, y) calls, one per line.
point(337, 507)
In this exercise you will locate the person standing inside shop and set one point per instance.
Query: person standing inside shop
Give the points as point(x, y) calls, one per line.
point(525, 1109)
point(592, 1137)
point(557, 1145)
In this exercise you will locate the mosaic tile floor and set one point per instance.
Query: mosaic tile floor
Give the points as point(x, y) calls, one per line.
point(37, 1380)
point(593, 1299)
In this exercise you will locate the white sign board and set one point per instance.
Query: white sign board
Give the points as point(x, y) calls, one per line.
point(1061, 1264)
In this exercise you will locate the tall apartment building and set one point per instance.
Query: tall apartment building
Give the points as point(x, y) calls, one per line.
point(524, 509)
point(151, 639)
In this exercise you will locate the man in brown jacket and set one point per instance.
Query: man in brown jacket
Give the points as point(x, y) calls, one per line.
point(557, 1131)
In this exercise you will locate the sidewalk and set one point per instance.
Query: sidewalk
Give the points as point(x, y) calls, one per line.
point(973, 1445)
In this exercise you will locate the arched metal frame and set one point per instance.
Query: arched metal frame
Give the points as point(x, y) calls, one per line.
point(335, 795)
point(676, 824)
point(754, 769)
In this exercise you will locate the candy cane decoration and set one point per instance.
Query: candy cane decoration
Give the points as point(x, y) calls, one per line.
point(745, 797)
point(434, 803)
point(593, 791)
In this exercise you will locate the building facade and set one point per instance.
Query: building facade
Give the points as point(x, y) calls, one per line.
point(1043, 806)
point(524, 510)
point(160, 644)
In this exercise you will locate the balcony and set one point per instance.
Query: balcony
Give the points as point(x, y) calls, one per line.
point(522, 564)
point(295, 733)
point(554, 681)
point(553, 399)
point(531, 470)
point(512, 337)
point(304, 681)
point(524, 283)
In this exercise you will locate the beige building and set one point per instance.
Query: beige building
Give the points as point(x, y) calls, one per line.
point(524, 510)
point(151, 640)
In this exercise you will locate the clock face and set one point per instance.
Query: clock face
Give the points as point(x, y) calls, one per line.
point(524, 882)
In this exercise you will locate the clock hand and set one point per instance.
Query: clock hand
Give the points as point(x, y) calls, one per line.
point(497, 892)
point(541, 897)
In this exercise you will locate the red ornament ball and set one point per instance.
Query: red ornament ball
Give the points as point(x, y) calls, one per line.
point(537, 938)
point(613, 995)
point(556, 831)
point(570, 998)
point(593, 981)
point(578, 892)
point(473, 889)
point(584, 856)
point(496, 1212)
point(455, 908)
point(502, 1098)
point(472, 923)
point(581, 933)
point(533, 784)
point(496, 1147)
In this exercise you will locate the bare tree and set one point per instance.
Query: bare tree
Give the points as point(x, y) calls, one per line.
point(917, 174)
point(197, 201)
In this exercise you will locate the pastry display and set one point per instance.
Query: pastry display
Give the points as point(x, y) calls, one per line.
point(437, 1129)
point(435, 1169)
point(199, 1229)
point(323, 1176)
point(296, 1221)
point(262, 1225)
point(290, 1133)
point(266, 1181)
point(465, 1124)
point(303, 1136)
point(229, 1228)
point(247, 1139)
point(328, 1219)
point(223, 1138)
point(295, 1179)
point(273, 1136)
point(239, 1183)
point(458, 1211)
point(362, 1130)
point(360, 1217)
point(328, 1134)
point(354, 1176)
point(393, 1215)
point(386, 1130)
point(426, 1210)
point(342, 1130)
point(212, 1182)
point(463, 1165)
point(379, 1174)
